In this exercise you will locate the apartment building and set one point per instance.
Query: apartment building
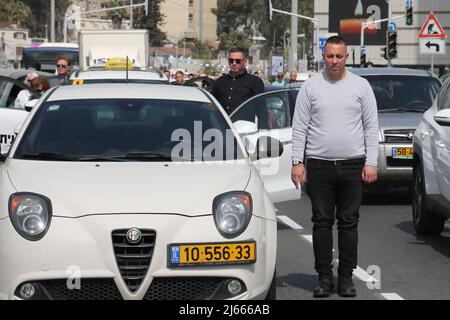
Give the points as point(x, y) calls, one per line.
point(189, 19)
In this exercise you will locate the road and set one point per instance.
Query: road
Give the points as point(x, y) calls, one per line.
point(393, 263)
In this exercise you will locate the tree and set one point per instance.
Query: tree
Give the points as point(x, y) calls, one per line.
point(239, 20)
point(118, 15)
point(39, 19)
point(14, 12)
point(151, 22)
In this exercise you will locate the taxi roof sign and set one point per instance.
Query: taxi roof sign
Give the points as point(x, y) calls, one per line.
point(432, 29)
point(119, 63)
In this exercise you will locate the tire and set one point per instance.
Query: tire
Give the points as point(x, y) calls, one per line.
point(272, 294)
point(425, 221)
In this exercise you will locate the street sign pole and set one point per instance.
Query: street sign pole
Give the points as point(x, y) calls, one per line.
point(432, 63)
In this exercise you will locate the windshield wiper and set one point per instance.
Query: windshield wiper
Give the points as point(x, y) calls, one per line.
point(419, 110)
point(50, 156)
point(142, 156)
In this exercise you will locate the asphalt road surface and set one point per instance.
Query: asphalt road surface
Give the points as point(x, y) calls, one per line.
point(393, 262)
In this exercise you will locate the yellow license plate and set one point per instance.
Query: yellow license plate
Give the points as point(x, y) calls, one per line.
point(194, 254)
point(402, 153)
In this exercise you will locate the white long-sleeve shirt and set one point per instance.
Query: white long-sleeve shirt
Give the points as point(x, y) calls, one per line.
point(336, 120)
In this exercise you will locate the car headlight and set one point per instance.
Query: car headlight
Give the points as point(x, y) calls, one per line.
point(30, 215)
point(232, 212)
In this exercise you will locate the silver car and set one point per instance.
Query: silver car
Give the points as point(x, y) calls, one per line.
point(431, 191)
point(403, 95)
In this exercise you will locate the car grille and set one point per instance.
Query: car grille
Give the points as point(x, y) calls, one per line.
point(133, 260)
point(178, 288)
point(398, 135)
point(183, 288)
point(90, 289)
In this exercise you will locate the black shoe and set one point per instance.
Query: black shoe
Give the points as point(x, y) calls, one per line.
point(325, 288)
point(346, 288)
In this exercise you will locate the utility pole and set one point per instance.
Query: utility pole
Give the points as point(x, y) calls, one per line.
point(131, 14)
point(52, 21)
point(389, 21)
point(201, 22)
point(293, 53)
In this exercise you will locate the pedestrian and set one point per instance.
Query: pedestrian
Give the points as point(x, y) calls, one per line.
point(40, 84)
point(238, 85)
point(293, 77)
point(24, 95)
point(167, 74)
point(369, 64)
point(179, 80)
point(280, 80)
point(335, 131)
point(63, 69)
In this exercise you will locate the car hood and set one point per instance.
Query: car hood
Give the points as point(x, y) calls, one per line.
point(77, 189)
point(393, 120)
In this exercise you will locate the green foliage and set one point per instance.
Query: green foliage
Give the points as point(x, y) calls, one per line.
point(151, 22)
point(14, 12)
point(38, 20)
point(239, 20)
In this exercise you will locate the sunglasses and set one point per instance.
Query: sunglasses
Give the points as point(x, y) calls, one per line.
point(61, 66)
point(231, 61)
point(39, 90)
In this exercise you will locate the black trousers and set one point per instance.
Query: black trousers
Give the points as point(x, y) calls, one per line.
point(335, 190)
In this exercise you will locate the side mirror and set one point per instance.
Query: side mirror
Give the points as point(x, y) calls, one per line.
point(245, 127)
point(30, 104)
point(443, 117)
point(268, 147)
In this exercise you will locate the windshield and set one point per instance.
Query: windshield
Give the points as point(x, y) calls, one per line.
point(128, 130)
point(403, 92)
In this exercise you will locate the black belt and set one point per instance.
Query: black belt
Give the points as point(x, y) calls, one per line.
point(347, 162)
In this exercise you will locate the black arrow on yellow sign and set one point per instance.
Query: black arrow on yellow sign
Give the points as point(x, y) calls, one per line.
point(429, 44)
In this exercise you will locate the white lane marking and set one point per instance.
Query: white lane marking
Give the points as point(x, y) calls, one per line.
point(363, 275)
point(287, 221)
point(308, 237)
point(391, 296)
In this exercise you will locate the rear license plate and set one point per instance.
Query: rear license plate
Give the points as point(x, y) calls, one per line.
point(402, 153)
point(194, 254)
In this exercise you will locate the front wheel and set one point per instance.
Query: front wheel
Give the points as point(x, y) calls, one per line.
point(425, 221)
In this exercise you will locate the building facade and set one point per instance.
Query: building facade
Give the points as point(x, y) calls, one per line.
point(408, 47)
point(189, 19)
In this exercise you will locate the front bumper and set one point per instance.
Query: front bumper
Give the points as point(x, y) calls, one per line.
point(390, 169)
point(82, 248)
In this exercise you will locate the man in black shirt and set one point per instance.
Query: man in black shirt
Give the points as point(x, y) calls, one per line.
point(236, 87)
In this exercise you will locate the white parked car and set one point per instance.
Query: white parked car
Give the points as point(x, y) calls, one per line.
point(134, 191)
point(431, 145)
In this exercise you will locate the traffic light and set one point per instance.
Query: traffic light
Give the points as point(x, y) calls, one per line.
point(363, 59)
point(392, 44)
point(409, 16)
point(384, 52)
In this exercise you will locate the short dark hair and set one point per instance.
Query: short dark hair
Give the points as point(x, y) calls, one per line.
point(63, 58)
point(233, 50)
point(336, 40)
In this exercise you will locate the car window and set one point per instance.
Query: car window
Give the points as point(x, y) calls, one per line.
point(443, 99)
point(269, 111)
point(186, 130)
point(9, 91)
point(396, 91)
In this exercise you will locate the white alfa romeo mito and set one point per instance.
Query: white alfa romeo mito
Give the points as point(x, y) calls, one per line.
point(134, 191)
